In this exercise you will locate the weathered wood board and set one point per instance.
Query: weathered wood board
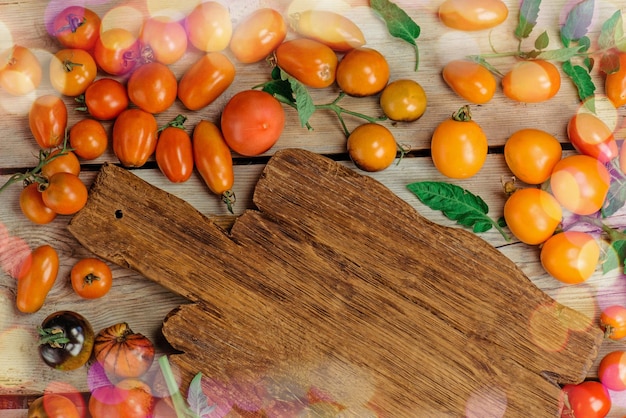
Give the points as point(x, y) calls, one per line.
point(336, 283)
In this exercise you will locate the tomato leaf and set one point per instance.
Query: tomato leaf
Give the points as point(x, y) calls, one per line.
point(583, 82)
point(399, 23)
point(614, 257)
point(197, 400)
point(528, 14)
point(611, 32)
point(304, 102)
point(577, 22)
point(616, 196)
point(561, 55)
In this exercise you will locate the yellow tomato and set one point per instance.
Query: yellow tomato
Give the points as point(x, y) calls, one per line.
point(472, 15)
point(531, 154)
point(403, 100)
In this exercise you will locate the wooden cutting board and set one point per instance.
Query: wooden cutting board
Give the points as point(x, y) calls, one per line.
point(336, 284)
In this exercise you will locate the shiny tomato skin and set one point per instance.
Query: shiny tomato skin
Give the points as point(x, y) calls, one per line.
point(470, 80)
point(47, 119)
point(472, 15)
point(174, 154)
point(76, 27)
point(571, 257)
point(206, 80)
point(613, 322)
point(37, 275)
point(309, 61)
point(59, 161)
point(88, 139)
point(20, 70)
point(612, 370)
point(33, 207)
point(257, 35)
point(152, 87)
point(116, 51)
point(65, 193)
point(372, 147)
point(76, 351)
point(72, 71)
point(129, 398)
point(209, 27)
point(252, 121)
point(213, 158)
point(580, 183)
point(362, 72)
point(615, 83)
point(330, 28)
point(532, 81)
point(134, 137)
point(531, 155)
point(53, 405)
point(403, 100)
point(91, 278)
point(122, 352)
point(106, 98)
point(588, 399)
point(532, 215)
point(163, 40)
point(591, 136)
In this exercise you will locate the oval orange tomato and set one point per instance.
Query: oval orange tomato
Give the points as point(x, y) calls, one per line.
point(106, 98)
point(88, 139)
point(309, 61)
point(591, 136)
point(64, 193)
point(532, 81)
point(163, 40)
point(20, 70)
point(209, 27)
point(571, 256)
point(47, 119)
point(472, 15)
point(257, 35)
point(36, 278)
point(72, 71)
point(116, 51)
point(362, 72)
point(470, 80)
point(152, 87)
point(531, 154)
point(372, 147)
point(134, 137)
point(328, 27)
point(206, 80)
point(532, 215)
point(615, 83)
point(174, 153)
point(33, 207)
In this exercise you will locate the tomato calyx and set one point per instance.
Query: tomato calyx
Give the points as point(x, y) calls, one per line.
point(464, 114)
point(73, 23)
point(228, 197)
point(177, 122)
point(68, 65)
point(54, 337)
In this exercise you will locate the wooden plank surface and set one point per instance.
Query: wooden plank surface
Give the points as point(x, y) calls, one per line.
point(24, 22)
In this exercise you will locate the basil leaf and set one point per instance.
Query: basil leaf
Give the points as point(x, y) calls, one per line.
point(528, 14)
point(577, 22)
point(583, 82)
point(399, 23)
point(196, 398)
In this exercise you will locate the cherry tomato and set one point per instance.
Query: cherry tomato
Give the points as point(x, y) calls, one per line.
point(330, 28)
point(612, 370)
point(65, 193)
point(116, 51)
point(580, 183)
point(459, 146)
point(588, 399)
point(591, 136)
point(209, 27)
point(206, 80)
point(130, 398)
point(472, 15)
point(531, 155)
point(532, 215)
point(47, 119)
point(362, 72)
point(134, 137)
point(372, 147)
point(615, 83)
point(613, 322)
point(36, 278)
point(66, 340)
point(88, 139)
point(163, 40)
point(71, 71)
point(152, 87)
point(174, 153)
point(59, 161)
point(77, 27)
point(403, 100)
point(571, 256)
point(308, 61)
point(532, 81)
point(105, 99)
point(33, 207)
point(470, 80)
point(53, 405)
point(20, 70)
point(122, 352)
point(257, 35)
point(214, 160)
point(252, 121)
point(91, 278)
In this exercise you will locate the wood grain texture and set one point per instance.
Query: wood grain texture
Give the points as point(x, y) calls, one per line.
point(323, 273)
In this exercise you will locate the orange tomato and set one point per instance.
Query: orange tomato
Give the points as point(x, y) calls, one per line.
point(134, 137)
point(362, 72)
point(209, 27)
point(36, 278)
point(470, 80)
point(105, 98)
point(591, 136)
point(52, 405)
point(20, 70)
point(372, 147)
point(472, 15)
point(129, 398)
point(88, 139)
point(570, 257)
point(403, 100)
point(613, 322)
point(163, 40)
point(531, 155)
point(122, 352)
point(76, 27)
point(310, 62)
point(174, 153)
point(330, 28)
point(116, 51)
point(532, 215)
point(64, 193)
point(33, 207)
point(91, 278)
point(615, 83)
point(59, 161)
point(206, 80)
point(72, 71)
point(152, 87)
point(47, 119)
point(257, 35)
point(532, 81)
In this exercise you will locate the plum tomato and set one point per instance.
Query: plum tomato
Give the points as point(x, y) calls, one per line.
point(116, 51)
point(174, 153)
point(589, 399)
point(330, 28)
point(72, 71)
point(47, 119)
point(472, 15)
point(88, 139)
point(20, 70)
point(309, 61)
point(64, 193)
point(66, 340)
point(362, 72)
point(163, 40)
point(570, 257)
point(532, 81)
point(252, 121)
point(91, 278)
point(37, 275)
point(76, 27)
point(105, 99)
point(532, 215)
point(403, 100)
point(612, 370)
point(372, 147)
point(60, 161)
point(205, 80)
point(613, 322)
point(122, 352)
point(615, 83)
point(531, 155)
point(129, 398)
point(257, 35)
point(53, 405)
point(134, 137)
point(580, 184)
point(470, 80)
point(209, 27)
point(152, 87)
point(33, 207)
point(591, 136)
point(459, 146)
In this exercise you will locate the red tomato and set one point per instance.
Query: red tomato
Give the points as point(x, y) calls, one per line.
point(532, 215)
point(134, 137)
point(65, 193)
point(571, 256)
point(309, 61)
point(91, 278)
point(209, 27)
point(152, 87)
point(105, 99)
point(77, 27)
point(174, 154)
point(612, 370)
point(256, 36)
point(532, 81)
point(20, 70)
point(59, 161)
point(588, 399)
point(531, 155)
point(47, 119)
point(72, 71)
point(330, 28)
point(36, 278)
point(122, 352)
point(163, 40)
point(52, 405)
point(372, 147)
point(362, 72)
point(33, 207)
point(116, 51)
point(252, 121)
point(591, 136)
point(470, 80)
point(615, 83)
point(206, 80)
point(130, 398)
point(88, 139)
point(613, 322)
point(472, 15)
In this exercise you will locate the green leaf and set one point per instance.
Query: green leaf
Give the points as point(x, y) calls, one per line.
point(577, 22)
point(615, 198)
point(303, 100)
point(615, 256)
point(584, 44)
point(196, 398)
point(583, 82)
point(612, 31)
point(560, 55)
point(399, 23)
point(542, 41)
point(482, 61)
point(280, 88)
point(528, 14)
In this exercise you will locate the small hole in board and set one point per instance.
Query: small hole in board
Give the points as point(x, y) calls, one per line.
point(119, 214)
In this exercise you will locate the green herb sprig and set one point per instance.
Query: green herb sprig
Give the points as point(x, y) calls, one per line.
point(196, 405)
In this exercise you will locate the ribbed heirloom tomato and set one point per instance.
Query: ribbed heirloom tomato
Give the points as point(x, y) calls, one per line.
point(134, 137)
point(470, 80)
point(20, 70)
point(152, 87)
point(403, 100)
point(328, 27)
point(309, 61)
point(47, 119)
point(532, 81)
point(91, 278)
point(591, 136)
point(76, 27)
point(122, 352)
point(105, 99)
point(472, 15)
point(532, 215)
point(372, 147)
point(206, 80)
point(362, 72)
point(163, 40)
point(257, 35)
point(72, 71)
point(531, 155)
point(209, 27)
point(571, 256)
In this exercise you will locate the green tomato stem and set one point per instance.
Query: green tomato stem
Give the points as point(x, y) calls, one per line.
point(180, 404)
